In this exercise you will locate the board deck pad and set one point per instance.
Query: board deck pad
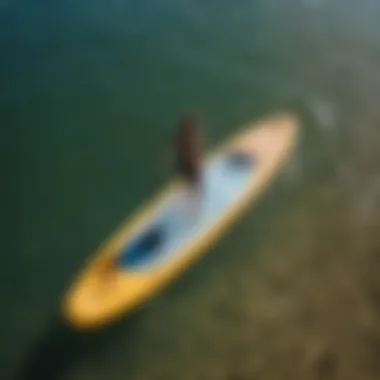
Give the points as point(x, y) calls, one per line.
point(183, 216)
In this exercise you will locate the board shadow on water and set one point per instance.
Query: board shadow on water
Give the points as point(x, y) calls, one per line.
point(61, 347)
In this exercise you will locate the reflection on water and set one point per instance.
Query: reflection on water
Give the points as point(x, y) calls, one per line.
point(90, 91)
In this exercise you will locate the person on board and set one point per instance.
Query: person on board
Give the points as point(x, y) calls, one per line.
point(188, 147)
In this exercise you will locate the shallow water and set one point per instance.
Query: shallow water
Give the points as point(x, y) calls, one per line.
point(90, 94)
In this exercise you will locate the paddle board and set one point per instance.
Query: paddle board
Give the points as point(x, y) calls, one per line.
point(168, 233)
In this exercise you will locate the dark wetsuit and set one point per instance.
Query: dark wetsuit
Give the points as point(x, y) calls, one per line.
point(188, 145)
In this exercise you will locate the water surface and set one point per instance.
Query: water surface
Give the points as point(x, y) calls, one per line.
point(91, 92)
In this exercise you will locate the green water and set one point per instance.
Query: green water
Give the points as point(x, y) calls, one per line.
point(91, 92)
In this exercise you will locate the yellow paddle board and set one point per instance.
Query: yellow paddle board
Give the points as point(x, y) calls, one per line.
point(161, 240)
